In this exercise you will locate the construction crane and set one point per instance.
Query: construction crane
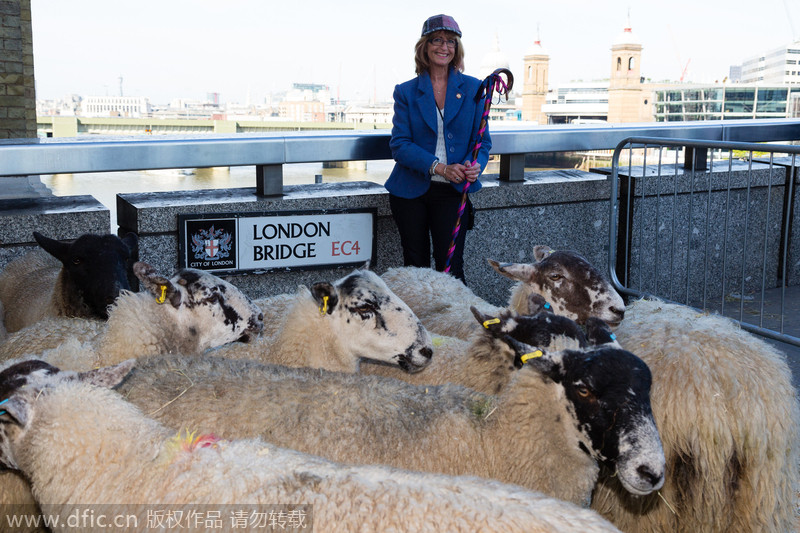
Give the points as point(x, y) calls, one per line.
point(678, 55)
point(685, 68)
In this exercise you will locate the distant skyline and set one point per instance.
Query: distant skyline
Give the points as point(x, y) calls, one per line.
point(187, 48)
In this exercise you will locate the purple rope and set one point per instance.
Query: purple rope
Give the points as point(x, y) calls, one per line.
point(493, 82)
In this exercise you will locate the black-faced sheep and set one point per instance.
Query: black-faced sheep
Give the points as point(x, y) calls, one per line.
point(82, 446)
point(334, 325)
point(559, 416)
point(728, 414)
point(188, 313)
point(570, 284)
point(729, 419)
point(78, 279)
point(486, 363)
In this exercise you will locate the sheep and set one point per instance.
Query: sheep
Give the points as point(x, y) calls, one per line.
point(78, 279)
point(486, 363)
point(729, 419)
point(570, 284)
point(559, 416)
point(684, 347)
point(439, 300)
point(334, 325)
point(189, 313)
point(83, 446)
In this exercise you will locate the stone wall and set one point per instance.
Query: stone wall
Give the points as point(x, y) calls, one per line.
point(687, 229)
point(563, 209)
point(17, 92)
point(62, 218)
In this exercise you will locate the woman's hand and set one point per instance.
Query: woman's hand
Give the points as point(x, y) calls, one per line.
point(456, 173)
point(471, 170)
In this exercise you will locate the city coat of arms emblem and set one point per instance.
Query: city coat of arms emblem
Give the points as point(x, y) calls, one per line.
point(211, 244)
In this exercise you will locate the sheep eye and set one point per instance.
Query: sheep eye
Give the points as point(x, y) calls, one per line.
point(76, 261)
point(555, 276)
point(583, 392)
point(366, 310)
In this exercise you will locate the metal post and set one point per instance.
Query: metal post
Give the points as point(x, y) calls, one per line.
point(695, 158)
point(269, 180)
point(512, 167)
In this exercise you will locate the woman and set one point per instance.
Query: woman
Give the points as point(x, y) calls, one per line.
point(436, 120)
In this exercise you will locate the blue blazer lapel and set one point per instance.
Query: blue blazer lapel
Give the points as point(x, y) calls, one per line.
point(425, 101)
point(455, 96)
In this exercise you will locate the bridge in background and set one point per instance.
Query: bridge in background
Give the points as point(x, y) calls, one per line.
point(66, 126)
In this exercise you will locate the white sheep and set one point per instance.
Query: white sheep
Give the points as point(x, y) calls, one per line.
point(85, 449)
point(440, 301)
point(729, 420)
point(559, 416)
point(188, 313)
point(334, 325)
point(570, 284)
point(78, 279)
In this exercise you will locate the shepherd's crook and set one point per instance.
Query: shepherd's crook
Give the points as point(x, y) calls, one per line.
point(493, 82)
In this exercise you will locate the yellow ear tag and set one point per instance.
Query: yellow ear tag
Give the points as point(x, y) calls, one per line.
point(161, 299)
point(531, 355)
point(490, 322)
point(324, 307)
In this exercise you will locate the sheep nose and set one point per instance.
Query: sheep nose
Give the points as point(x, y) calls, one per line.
point(426, 352)
point(618, 312)
point(654, 478)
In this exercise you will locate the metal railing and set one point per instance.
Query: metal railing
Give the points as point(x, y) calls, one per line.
point(713, 232)
point(270, 151)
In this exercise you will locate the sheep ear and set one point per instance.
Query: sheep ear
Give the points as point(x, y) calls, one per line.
point(540, 360)
point(16, 409)
point(109, 376)
point(325, 295)
point(599, 333)
point(365, 266)
point(157, 285)
point(497, 326)
point(541, 251)
point(517, 271)
point(57, 249)
point(537, 304)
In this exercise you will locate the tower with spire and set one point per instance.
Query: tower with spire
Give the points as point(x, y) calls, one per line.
point(627, 94)
point(534, 86)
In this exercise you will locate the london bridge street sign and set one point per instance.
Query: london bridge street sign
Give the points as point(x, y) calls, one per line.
point(279, 240)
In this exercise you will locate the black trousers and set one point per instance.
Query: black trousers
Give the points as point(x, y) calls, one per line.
point(429, 219)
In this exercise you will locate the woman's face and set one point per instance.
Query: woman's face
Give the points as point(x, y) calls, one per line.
point(441, 48)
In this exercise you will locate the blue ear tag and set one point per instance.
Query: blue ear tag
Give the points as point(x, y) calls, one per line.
point(1, 403)
point(613, 337)
point(547, 305)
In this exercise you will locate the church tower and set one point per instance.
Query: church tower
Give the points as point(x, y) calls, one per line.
point(627, 94)
point(534, 86)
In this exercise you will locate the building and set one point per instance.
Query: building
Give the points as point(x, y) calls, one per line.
point(629, 99)
point(725, 102)
point(779, 66)
point(576, 103)
point(115, 106)
point(534, 83)
point(369, 114)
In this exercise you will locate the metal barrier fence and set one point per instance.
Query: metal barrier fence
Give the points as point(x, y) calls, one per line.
point(709, 226)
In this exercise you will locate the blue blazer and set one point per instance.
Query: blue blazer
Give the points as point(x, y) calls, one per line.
point(414, 131)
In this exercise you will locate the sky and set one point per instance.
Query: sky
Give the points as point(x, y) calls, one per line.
point(246, 49)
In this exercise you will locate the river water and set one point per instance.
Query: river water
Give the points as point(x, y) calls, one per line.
point(105, 186)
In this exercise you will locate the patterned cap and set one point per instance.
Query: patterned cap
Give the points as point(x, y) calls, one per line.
point(440, 22)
